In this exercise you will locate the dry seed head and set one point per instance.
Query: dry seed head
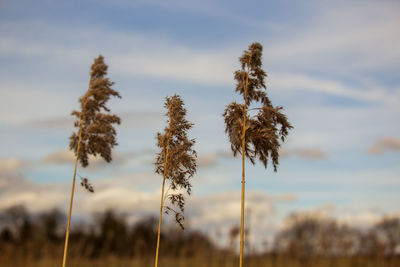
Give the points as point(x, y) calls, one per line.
point(269, 127)
point(94, 119)
point(176, 159)
point(87, 185)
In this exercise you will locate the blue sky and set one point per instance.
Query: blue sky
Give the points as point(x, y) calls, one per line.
point(334, 66)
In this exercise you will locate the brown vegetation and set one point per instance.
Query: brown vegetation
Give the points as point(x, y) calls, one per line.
point(96, 134)
point(176, 161)
point(107, 240)
point(259, 136)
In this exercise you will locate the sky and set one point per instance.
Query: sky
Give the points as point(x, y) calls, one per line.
point(333, 66)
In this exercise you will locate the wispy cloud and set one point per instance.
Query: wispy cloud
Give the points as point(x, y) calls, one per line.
point(385, 144)
point(362, 36)
point(211, 159)
point(66, 156)
point(137, 53)
point(132, 120)
point(359, 219)
point(162, 57)
point(208, 160)
point(9, 165)
point(300, 82)
point(312, 153)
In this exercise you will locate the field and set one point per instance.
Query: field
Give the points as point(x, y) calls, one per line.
point(37, 241)
point(213, 261)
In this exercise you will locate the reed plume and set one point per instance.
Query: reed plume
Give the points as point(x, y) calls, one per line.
point(96, 134)
point(176, 161)
point(259, 136)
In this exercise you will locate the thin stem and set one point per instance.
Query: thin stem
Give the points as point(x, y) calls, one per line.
point(72, 197)
point(159, 221)
point(73, 182)
point(166, 193)
point(162, 195)
point(243, 167)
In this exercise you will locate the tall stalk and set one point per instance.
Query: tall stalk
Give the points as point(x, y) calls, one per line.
point(162, 198)
point(176, 162)
point(71, 200)
point(243, 170)
point(96, 133)
point(159, 222)
point(254, 137)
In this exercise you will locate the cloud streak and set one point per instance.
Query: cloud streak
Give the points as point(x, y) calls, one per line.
point(385, 144)
point(10, 165)
point(312, 153)
point(299, 82)
point(161, 57)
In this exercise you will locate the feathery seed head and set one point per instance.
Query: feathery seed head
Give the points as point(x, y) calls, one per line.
point(265, 131)
point(176, 160)
point(95, 121)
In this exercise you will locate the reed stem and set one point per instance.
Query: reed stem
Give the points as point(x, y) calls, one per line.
point(243, 168)
point(72, 198)
point(162, 196)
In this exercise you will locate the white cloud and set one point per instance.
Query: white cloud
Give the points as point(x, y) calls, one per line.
point(211, 159)
point(308, 83)
point(161, 57)
point(22, 100)
point(342, 38)
point(360, 219)
point(334, 129)
point(134, 54)
point(220, 212)
point(131, 120)
point(62, 156)
point(208, 160)
point(363, 219)
point(67, 156)
point(9, 165)
point(173, 62)
point(311, 153)
point(208, 212)
point(16, 190)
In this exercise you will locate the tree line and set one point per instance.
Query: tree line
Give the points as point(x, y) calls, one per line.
point(35, 236)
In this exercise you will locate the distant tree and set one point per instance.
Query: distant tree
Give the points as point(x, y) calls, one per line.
point(258, 136)
point(113, 234)
point(13, 217)
point(96, 134)
point(308, 235)
point(27, 239)
point(387, 233)
point(143, 236)
point(176, 161)
point(6, 236)
point(301, 238)
point(233, 234)
point(50, 223)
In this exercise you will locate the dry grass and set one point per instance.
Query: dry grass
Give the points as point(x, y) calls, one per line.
point(215, 261)
point(176, 161)
point(254, 137)
point(96, 134)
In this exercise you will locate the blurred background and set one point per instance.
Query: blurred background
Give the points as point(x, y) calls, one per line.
point(333, 66)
